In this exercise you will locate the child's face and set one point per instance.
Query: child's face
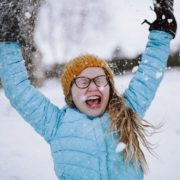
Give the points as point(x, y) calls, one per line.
point(93, 99)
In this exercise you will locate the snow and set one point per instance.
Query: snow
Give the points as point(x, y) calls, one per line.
point(135, 68)
point(27, 15)
point(158, 75)
point(25, 155)
point(83, 98)
point(120, 147)
point(170, 21)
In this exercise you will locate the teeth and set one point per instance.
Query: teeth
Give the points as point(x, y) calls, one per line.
point(93, 97)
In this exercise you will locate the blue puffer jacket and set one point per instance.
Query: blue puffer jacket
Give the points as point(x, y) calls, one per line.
point(81, 147)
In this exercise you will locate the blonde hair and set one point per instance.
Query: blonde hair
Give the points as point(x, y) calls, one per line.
point(131, 130)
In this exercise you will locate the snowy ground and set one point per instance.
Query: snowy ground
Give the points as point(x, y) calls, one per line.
point(25, 156)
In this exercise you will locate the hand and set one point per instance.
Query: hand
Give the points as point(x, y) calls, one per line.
point(9, 22)
point(165, 20)
point(17, 21)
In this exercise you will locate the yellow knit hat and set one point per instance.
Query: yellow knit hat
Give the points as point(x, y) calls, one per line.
point(77, 65)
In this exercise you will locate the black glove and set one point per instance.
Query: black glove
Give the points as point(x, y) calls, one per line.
point(9, 21)
point(165, 20)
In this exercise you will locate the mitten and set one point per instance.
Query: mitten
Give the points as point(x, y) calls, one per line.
point(9, 22)
point(165, 20)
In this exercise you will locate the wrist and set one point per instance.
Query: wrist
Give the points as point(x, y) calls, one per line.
point(166, 25)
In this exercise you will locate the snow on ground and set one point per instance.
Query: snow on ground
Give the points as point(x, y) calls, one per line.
point(24, 155)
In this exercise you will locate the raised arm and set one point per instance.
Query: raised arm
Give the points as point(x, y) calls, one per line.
point(30, 103)
point(143, 86)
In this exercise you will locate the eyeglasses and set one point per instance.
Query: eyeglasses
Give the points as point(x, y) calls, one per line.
point(84, 82)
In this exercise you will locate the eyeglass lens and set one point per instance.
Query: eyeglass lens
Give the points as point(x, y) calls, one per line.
point(84, 82)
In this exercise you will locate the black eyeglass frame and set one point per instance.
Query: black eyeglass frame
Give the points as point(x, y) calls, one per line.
point(90, 80)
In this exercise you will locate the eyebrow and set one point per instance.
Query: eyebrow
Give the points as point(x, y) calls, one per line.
point(90, 77)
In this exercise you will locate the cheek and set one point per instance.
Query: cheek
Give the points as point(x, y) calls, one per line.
point(78, 96)
point(82, 98)
point(105, 91)
point(102, 88)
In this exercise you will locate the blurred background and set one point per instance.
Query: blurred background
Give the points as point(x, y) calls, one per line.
point(67, 28)
point(112, 30)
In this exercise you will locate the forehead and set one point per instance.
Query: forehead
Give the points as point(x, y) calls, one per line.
point(92, 72)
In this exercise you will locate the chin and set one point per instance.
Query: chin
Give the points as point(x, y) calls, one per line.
point(93, 113)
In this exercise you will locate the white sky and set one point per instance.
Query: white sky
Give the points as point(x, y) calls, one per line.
point(123, 29)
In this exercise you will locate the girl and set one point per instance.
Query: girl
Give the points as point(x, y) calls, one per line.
point(83, 135)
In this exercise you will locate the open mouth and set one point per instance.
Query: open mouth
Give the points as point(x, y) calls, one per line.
point(93, 102)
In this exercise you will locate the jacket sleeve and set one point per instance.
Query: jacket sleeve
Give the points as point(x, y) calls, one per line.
point(29, 102)
point(144, 84)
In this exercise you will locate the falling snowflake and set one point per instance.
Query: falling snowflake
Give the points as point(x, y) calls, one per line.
point(120, 147)
point(135, 68)
point(158, 75)
point(145, 61)
point(170, 21)
point(163, 16)
point(27, 15)
point(146, 78)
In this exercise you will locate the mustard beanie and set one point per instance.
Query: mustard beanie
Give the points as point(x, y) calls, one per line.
point(77, 65)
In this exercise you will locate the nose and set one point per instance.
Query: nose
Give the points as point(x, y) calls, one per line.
point(92, 86)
